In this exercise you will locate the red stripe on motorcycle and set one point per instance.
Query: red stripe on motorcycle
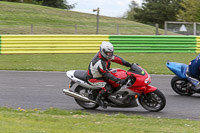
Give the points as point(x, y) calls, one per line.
point(95, 80)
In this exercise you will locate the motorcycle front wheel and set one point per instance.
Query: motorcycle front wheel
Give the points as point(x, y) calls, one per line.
point(180, 86)
point(87, 93)
point(153, 102)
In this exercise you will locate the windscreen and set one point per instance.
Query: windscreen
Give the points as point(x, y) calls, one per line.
point(136, 69)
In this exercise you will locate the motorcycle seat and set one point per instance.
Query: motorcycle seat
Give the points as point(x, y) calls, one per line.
point(81, 74)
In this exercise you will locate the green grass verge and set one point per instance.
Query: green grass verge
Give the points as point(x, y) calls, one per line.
point(61, 121)
point(16, 18)
point(154, 63)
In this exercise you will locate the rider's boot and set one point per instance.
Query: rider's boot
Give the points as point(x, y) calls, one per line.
point(196, 88)
point(100, 101)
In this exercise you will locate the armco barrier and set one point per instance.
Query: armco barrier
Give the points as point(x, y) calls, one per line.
point(0, 44)
point(198, 44)
point(17, 44)
point(154, 43)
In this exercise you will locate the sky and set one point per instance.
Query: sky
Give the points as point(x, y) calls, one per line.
point(111, 8)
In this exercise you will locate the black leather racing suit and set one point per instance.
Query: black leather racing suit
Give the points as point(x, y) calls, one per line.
point(98, 72)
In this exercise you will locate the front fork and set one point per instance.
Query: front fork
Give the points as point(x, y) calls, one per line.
point(147, 91)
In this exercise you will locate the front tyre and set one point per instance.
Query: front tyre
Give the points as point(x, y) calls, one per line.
point(154, 101)
point(87, 93)
point(180, 86)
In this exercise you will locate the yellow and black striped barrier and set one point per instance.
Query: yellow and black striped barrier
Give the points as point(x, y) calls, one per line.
point(25, 44)
point(17, 44)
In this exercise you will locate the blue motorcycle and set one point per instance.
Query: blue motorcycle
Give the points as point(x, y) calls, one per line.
point(179, 82)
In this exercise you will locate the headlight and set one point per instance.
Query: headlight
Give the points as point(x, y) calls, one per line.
point(148, 80)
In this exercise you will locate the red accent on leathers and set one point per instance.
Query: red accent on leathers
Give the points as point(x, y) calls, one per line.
point(99, 68)
point(117, 60)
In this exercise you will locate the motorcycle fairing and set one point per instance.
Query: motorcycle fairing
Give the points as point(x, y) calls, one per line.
point(123, 98)
point(178, 69)
point(140, 78)
point(150, 89)
point(144, 89)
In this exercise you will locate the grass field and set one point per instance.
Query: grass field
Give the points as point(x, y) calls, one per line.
point(61, 121)
point(16, 18)
point(154, 63)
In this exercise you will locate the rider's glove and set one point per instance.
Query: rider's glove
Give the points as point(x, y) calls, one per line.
point(135, 64)
point(122, 81)
point(127, 64)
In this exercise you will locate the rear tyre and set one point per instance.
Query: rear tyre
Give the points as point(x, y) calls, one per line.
point(87, 93)
point(180, 86)
point(154, 101)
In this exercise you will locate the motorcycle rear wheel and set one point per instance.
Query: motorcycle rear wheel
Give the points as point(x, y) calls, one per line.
point(84, 92)
point(153, 102)
point(179, 85)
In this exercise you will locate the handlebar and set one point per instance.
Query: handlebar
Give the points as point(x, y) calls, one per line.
point(128, 79)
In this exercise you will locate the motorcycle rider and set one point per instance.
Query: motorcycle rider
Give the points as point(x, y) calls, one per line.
point(98, 71)
point(193, 73)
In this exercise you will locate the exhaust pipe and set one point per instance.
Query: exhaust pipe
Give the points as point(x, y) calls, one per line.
point(77, 96)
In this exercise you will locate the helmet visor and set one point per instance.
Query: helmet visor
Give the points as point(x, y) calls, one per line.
point(109, 53)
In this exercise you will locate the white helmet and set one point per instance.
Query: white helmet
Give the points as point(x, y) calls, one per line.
point(105, 48)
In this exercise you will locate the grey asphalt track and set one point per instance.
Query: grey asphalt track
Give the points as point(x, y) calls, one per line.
point(43, 90)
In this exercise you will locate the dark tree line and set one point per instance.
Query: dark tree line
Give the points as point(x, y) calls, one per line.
point(155, 11)
point(63, 4)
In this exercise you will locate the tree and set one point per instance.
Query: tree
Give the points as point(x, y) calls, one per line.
point(190, 11)
point(63, 4)
point(131, 12)
point(25, 1)
point(157, 11)
point(58, 4)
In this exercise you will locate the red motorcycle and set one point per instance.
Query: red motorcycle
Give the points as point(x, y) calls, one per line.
point(124, 96)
